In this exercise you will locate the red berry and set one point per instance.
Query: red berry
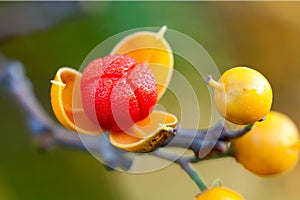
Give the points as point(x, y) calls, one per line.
point(117, 92)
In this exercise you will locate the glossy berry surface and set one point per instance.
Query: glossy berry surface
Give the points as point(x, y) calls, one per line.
point(271, 147)
point(244, 96)
point(219, 193)
point(117, 92)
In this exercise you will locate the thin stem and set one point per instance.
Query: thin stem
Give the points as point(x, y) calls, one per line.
point(215, 84)
point(249, 127)
point(184, 163)
point(228, 135)
point(194, 176)
point(160, 34)
point(227, 154)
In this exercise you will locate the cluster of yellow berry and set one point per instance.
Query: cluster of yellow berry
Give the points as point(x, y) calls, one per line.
point(244, 96)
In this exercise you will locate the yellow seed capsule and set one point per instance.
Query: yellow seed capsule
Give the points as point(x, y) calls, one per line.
point(271, 147)
point(219, 193)
point(242, 95)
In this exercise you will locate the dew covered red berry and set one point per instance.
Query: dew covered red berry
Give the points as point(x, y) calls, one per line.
point(117, 91)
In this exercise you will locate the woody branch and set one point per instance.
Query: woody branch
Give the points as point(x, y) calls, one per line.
point(48, 134)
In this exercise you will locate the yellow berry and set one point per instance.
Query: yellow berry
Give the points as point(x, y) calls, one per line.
point(271, 147)
point(219, 193)
point(242, 95)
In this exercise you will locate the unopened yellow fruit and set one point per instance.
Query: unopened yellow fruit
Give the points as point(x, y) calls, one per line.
point(219, 193)
point(270, 147)
point(242, 95)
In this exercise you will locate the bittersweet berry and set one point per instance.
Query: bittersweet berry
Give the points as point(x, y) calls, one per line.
point(117, 91)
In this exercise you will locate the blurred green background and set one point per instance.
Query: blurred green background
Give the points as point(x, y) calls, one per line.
point(263, 35)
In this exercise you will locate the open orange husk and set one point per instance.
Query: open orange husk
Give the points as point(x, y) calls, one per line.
point(66, 102)
point(152, 49)
point(146, 47)
point(146, 135)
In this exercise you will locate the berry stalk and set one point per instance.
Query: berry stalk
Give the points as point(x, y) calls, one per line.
point(184, 163)
point(215, 84)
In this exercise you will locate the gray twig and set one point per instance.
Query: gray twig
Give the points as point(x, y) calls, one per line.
point(44, 131)
point(48, 134)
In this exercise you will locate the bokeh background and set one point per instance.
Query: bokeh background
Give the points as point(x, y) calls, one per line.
point(48, 35)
